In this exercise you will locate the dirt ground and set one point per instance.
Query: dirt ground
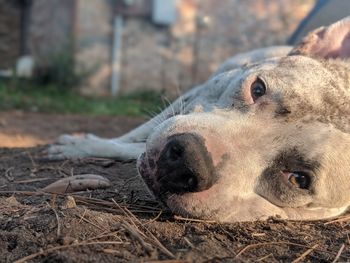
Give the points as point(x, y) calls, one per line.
point(27, 129)
point(123, 223)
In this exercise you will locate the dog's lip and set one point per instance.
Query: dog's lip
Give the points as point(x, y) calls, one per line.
point(144, 169)
point(143, 165)
point(147, 175)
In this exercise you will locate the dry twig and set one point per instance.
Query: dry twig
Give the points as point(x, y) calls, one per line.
point(8, 174)
point(339, 253)
point(82, 218)
point(264, 257)
point(32, 180)
point(302, 256)
point(154, 240)
point(194, 220)
point(49, 250)
point(243, 250)
point(135, 234)
point(57, 219)
point(338, 220)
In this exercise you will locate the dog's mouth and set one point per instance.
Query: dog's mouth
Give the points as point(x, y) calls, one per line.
point(144, 170)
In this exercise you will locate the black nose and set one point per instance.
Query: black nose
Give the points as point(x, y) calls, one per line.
point(185, 165)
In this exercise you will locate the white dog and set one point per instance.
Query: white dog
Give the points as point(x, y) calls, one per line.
point(266, 135)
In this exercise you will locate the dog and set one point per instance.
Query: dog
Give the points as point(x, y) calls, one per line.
point(267, 135)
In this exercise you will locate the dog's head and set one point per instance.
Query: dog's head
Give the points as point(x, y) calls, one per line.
point(276, 141)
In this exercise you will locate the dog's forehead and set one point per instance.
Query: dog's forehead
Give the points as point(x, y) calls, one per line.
point(282, 68)
point(299, 78)
point(288, 66)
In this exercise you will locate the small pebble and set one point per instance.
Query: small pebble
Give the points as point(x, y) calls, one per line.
point(69, 202)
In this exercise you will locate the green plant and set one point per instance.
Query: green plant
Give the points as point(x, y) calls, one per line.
point(50, 98)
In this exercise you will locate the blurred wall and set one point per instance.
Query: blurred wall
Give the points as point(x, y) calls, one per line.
point(50, 29)
point(205, 34)
point(93, 44)
point(9, 32)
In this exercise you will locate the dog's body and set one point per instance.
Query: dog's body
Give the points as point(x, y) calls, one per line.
point(268, 134)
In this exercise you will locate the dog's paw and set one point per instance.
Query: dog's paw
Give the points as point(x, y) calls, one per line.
point(89, 145)
point(72, 139)
point(72, 147)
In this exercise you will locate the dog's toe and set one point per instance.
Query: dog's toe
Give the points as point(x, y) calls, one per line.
point(91, 136)
point(66, 139)
point(54, 149)
point(54, 152)
point(74, 150)
point(61, 152)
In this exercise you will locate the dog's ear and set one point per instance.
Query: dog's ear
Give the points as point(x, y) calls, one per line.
point(326, 42)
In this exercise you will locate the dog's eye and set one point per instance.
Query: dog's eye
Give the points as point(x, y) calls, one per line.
point(257, 89)
point(299, 179)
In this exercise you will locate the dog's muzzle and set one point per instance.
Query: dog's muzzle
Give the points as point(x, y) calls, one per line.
point(184, 165)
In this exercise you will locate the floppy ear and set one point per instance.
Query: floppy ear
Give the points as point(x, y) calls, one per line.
point(326, 42)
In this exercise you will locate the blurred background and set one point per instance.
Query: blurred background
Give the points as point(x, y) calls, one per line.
point(122, 57)
point(151, 44)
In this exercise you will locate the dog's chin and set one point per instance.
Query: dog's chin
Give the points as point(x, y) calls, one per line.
point(189, 205)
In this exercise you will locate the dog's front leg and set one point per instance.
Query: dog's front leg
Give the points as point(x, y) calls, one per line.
point(73, 147)
point(128, 146)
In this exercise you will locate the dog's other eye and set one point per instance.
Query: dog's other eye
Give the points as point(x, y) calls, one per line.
point(299, 179)
point(257, 89)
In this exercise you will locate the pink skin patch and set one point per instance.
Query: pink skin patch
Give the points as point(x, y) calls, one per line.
point(246, 91)
point(286, 177)
point(215, 148)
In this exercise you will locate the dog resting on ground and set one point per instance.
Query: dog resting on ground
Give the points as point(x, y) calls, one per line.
point(267, 135)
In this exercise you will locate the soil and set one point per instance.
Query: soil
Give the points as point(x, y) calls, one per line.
point(124, 223)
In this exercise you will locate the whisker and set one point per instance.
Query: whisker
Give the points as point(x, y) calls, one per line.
point(170, 106)
point(180, 97)
point(151, 114)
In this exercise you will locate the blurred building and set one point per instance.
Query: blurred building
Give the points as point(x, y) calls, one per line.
point(121, 46)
